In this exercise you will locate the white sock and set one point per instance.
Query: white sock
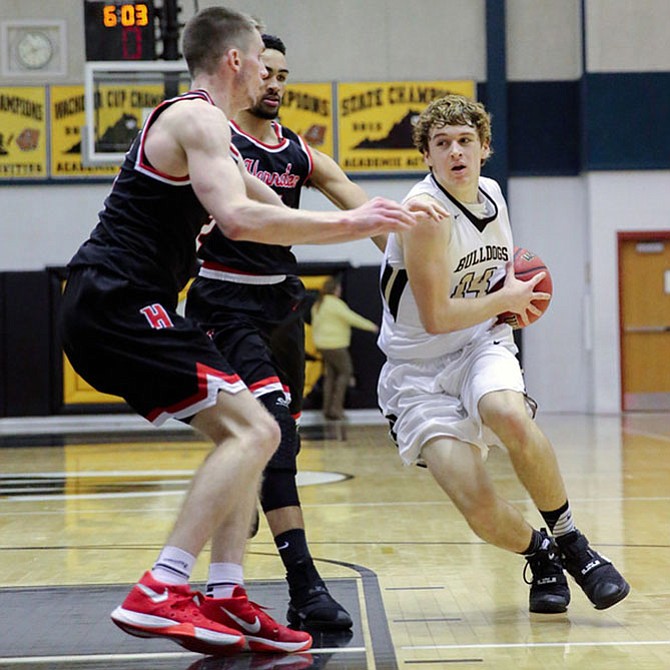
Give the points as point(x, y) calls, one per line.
point(174, 566)
point(223, 578)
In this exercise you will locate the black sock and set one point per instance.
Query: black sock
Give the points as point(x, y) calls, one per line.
point(535, 543)
point(294, 553)
point(292, 547)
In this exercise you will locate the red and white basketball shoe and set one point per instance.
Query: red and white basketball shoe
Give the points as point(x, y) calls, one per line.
point(261, 631)
point(156, 609)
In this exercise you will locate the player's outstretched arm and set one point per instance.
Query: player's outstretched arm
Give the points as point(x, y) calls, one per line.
point(329, 178)
point(203, 136)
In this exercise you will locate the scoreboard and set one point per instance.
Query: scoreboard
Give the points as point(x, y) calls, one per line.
point(119, 30)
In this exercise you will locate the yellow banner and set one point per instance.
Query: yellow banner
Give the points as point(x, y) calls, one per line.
point(120, 111)
point(23, 136)
point(307, 109)
point(375, 121)
point(67, 120)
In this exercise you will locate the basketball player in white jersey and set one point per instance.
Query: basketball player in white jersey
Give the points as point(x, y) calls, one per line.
point(452, 384)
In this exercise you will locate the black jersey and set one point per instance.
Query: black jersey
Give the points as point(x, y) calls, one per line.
point(148, 227)
point(285, 167)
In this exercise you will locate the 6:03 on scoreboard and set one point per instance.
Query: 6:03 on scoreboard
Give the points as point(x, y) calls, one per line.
point(119, 30)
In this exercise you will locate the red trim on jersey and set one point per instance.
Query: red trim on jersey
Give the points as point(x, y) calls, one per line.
point(262, 383)
point(202, 372)
point(308, 151)
point(141, 161)
point(281, 141)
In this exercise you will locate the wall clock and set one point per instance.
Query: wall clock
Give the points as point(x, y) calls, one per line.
point(34, 49)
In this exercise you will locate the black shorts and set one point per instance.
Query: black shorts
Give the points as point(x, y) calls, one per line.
point(259, 329)
point(132, 343)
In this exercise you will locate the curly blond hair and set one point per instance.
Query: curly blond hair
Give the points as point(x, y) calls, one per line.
point(452, 110)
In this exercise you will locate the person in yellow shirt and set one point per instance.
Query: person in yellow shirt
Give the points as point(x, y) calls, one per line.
point(332, 321)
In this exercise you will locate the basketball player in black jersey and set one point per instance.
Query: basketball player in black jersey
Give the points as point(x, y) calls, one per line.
point(248, 298)
point(121, 331)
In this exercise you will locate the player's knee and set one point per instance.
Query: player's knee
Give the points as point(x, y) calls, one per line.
point(272, 435)
point(263, 434)
point(284, 458)
point(506, 416)
point(279, 489)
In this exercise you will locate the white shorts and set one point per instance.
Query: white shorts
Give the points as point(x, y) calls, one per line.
point(439, 397)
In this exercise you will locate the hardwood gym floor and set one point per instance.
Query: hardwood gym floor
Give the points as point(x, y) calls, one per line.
point(86, 504)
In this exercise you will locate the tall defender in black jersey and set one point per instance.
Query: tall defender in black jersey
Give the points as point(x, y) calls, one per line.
point(452, 384)
point(120, 328)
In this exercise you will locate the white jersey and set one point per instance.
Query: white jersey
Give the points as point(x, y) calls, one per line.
point(481, 243)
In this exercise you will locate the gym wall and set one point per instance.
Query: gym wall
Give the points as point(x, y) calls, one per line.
point(585, 131)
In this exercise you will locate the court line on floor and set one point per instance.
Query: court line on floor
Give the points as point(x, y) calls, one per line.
point(523, 645)
point(149, 494)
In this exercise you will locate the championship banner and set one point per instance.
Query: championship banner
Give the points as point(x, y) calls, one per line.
point(120, 111)
point(23, 137)
point(67, 120)
point(307, 109)
point(375, 121)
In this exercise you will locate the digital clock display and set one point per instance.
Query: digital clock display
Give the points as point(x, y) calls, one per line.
point(126, 15)
point(119, 30)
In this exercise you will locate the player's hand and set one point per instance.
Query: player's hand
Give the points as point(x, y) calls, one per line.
point(521, 294)
point(380, 215)
point(427, 209)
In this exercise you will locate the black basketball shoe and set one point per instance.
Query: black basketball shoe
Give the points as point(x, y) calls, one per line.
point(311, 607)
point(549, 591)
point(598, 578)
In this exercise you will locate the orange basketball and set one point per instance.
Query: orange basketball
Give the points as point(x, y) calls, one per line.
point(526, 266)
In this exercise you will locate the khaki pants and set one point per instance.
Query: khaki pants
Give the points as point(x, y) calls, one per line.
point(338, 369)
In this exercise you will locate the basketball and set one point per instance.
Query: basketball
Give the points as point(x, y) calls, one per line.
point(526, 265)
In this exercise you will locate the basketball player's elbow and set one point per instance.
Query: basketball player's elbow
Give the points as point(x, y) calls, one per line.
point(234, 226)
point(439, 322)
point(433, 325)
